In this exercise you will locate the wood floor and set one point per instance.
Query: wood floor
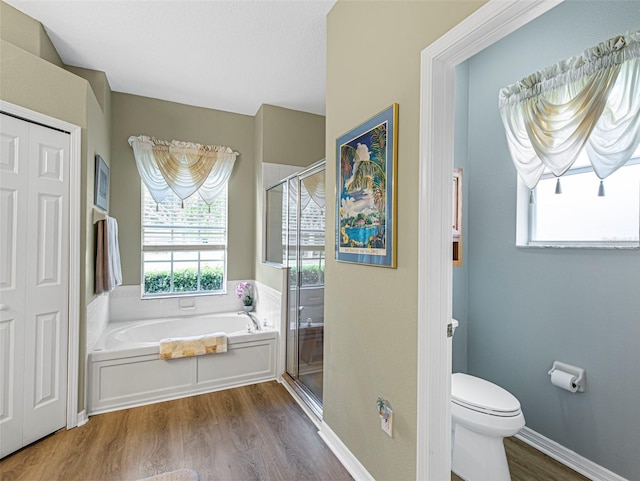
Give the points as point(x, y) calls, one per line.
point(529, 464)
point(251, 433)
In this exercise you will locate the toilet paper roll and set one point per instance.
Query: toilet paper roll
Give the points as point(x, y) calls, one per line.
point(564, 380)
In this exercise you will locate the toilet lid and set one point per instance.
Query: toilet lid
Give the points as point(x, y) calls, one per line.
point(481, 395)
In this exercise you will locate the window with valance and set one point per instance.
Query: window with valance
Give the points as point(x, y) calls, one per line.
point(571, 120)
point(184, 215)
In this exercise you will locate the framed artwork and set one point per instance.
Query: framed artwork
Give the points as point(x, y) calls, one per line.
point(101, 188)
point(457, 217)
point(366, 191)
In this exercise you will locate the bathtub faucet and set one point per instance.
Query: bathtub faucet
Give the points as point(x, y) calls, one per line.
point(253, 318)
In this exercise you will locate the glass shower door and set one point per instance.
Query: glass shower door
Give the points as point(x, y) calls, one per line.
point(306, 261)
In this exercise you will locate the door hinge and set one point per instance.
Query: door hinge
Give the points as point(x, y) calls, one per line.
point(449, 330)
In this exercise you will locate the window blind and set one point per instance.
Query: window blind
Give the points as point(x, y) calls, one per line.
point(168, 225)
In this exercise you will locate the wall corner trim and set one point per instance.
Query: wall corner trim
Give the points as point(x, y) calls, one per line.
point(567, 457)
point(346, 457)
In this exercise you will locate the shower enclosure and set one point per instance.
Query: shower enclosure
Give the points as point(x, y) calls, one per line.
point(295, 227)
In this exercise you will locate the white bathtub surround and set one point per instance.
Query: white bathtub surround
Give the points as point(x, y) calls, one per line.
point(271, 305)
point(126, 304)
point(125, 369)
point(268, 304)
point(97, 319)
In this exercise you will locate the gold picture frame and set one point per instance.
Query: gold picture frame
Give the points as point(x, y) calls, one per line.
point(366, 205)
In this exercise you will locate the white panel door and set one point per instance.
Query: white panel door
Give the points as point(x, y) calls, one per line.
point(14, 158)
point(34, 251)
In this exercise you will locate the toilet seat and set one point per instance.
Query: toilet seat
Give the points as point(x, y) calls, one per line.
point(482, 396)
point(482, 415)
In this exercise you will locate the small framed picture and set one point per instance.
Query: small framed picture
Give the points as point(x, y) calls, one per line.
point(101, 192)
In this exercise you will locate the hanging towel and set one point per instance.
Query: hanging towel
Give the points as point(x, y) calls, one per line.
point(108, 270)
point(172, 348)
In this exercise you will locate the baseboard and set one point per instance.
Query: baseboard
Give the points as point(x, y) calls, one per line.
point(569, 458)
point(310, 414)
point(346, 457)
point(82, 418)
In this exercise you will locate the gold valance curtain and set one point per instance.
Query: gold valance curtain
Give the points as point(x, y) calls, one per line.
point(182, 167)
point(591, 101)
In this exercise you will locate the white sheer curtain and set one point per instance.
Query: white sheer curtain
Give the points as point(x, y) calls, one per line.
point(182, 167)
point(589, 101)
point(314, 186)
point(313, 189)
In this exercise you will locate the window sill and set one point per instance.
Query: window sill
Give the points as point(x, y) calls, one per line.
point(578, 245)
point(181, 295)
point(276, 265)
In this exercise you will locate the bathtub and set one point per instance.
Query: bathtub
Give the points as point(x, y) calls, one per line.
point(125, 369)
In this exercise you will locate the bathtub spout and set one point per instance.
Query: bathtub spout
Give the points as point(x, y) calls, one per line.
point(253, 318)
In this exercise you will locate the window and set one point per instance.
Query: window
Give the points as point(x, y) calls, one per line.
point(183, 248)
point(578, 216)
point(312, 228)
point(589, 101)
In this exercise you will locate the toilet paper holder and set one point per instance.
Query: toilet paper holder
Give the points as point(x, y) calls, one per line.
point(568, 368)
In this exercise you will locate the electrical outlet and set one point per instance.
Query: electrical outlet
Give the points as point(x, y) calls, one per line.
point(387, 421)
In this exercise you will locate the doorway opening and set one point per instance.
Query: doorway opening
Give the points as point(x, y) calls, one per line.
point(490, 23)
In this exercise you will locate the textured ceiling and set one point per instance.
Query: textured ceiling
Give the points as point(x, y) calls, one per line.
point(226, 55)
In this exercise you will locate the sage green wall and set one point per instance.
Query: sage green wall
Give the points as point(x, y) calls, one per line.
point(373, 61)
point(134, 115)
point(282, 136)
point(26, 33)
point(292, 137)
point(99, 85)
point(32, 76)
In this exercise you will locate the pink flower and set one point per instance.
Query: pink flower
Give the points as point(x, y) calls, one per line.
point(243, 291)
point(242, 287)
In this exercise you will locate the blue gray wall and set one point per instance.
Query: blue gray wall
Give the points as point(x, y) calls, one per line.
point(527, 307)
point(461, 273)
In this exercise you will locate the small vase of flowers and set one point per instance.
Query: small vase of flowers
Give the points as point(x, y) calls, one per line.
point(244, 292)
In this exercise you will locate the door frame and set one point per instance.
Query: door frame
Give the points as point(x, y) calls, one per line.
point(490, 23)
point(73, 353)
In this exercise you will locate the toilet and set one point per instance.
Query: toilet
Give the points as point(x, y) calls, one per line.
point(482, 414)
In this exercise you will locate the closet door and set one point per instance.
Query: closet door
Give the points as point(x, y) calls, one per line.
point(14, 154)
point(34, 261)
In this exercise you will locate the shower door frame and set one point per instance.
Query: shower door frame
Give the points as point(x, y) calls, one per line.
point(308, 397)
